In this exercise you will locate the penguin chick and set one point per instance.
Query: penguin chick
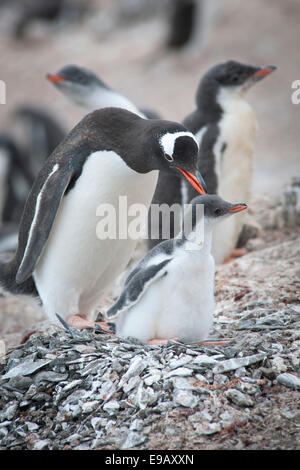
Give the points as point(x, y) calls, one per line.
point(170, 293)
point(85, 89)
point(60, 254)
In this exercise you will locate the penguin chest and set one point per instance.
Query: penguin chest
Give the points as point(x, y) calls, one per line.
point(188, 306)
point(233, 166)
point(234, 152)
point(89, 244)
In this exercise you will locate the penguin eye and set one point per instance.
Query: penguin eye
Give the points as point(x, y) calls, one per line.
point(217, 211)
point(235, 78)
point(168, 157)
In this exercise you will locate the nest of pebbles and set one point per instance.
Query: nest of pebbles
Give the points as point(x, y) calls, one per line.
point(90, 390)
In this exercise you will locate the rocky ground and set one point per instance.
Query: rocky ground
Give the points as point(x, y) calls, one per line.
point(90, 390)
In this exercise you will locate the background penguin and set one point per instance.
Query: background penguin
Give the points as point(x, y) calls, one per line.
point(15, 180)
point(225, 127)
point(170, 293)
point(38, 133)
point(86, 90)
point(111, 152)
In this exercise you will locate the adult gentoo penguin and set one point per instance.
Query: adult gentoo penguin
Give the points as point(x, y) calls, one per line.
point(170, 293)
point(85, 89)
point(224, 125)
point(111, 152)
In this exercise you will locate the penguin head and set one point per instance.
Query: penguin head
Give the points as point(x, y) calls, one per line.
point(76, 82)
point(230, 78)
point(178, 151)
point(237, 76)
point(214, 209)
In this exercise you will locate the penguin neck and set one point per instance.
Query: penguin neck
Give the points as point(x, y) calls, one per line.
point(230, 98)
point(207, 102)
point(204, 242)
point(100, 97)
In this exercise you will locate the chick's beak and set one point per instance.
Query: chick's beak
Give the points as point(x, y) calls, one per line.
point(238, 208)
point(196, 180)
point(54, 78)
point(264, 71)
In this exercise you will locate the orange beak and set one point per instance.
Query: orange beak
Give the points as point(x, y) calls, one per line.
point(264, 71)
point(54, 78)
point(238, 208)
point(197, 183)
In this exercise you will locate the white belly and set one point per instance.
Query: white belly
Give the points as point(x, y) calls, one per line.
point(234, 171)
point(77, 267)
point(174, 308)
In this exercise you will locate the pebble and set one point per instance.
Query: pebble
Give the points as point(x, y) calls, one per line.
point(25, 368)
point(289, 380)
point(207, 428)
point(185, 398)
point(278, 364)
point(133, 439)
point(41, 444)
point(180, 372)
point(111, 407)
point(238, 398)
point(232, 364)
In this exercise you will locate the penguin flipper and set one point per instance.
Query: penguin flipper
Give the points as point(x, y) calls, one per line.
point(45, 202)
point(137, 286)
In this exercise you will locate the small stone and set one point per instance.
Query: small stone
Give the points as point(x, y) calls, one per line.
point(133, 440)
point(238, 398)
point(137, 365)
point(240, 372)
point(204, 361)
point(136, 425)
point(89, 406)
point(111, 407)
point(41, 445)
point(98, 423)
point(10, 411)
point(248, 388)
point(152, 379)
point(21, 383)
point(268, 372)
point(232, 364)
point(182, 361)
point(31, 426)
point(49, 376)
point(180, 372)
point(207, 428)
point(185, 398)
point(278, 364)
point(289, 380)
point(146, 397)
point(25, 368)
point(132, 383)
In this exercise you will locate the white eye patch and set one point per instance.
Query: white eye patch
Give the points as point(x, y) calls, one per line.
point(167, 141)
